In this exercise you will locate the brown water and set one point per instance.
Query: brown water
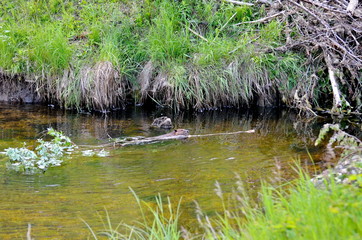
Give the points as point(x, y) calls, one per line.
point(56, 201)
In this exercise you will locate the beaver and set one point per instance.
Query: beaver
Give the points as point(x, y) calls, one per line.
point(176, 132)
point(162, 122)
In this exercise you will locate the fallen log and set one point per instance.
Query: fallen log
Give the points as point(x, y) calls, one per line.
point(147, 140)
point(175, 137)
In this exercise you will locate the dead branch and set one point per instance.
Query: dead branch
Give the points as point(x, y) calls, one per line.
point(261, 19)
point(337, 101)
point(177, 137)
point(311, 13)
point(239, 3)
point(197, 34)
point(149, 140)
point(218, 134)
point(329, 8)
point(329, 33)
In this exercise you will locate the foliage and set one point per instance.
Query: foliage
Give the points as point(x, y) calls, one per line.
point(166, 39)
point(47, 154)
point(49, 50)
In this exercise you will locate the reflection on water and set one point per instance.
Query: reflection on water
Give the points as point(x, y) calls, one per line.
point(55, 202)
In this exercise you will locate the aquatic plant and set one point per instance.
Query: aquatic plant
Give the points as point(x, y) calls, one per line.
point(99, 153)
point(46, 154)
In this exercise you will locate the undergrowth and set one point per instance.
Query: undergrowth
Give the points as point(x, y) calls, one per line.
point(200, 58)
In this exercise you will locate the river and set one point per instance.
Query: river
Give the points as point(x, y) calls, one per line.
point(54, 203)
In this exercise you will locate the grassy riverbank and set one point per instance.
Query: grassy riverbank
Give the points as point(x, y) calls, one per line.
point(300, 211)
point(183, 54)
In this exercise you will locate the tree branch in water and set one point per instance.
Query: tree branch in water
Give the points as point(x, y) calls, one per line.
point(141, 140)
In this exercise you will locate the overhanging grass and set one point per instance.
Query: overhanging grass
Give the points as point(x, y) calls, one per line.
point(200, 58)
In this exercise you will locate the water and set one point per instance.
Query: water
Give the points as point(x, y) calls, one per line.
point(56, 201)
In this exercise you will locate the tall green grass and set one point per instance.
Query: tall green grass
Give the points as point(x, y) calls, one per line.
point(296, 211)
point(167, 39)
point(49, 50)
point(201, 59)
point(301, 211)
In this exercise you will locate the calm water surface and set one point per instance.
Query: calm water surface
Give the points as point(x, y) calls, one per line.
point(56, 201)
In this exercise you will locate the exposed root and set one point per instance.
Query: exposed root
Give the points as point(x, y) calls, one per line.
point(17, 89)
point(303, 104)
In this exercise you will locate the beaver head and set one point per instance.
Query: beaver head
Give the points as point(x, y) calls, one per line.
point(184, 132)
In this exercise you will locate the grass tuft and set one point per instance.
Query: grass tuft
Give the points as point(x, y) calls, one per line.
point(301, 211)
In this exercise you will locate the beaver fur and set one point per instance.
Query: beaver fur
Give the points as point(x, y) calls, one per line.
point(176, 132)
